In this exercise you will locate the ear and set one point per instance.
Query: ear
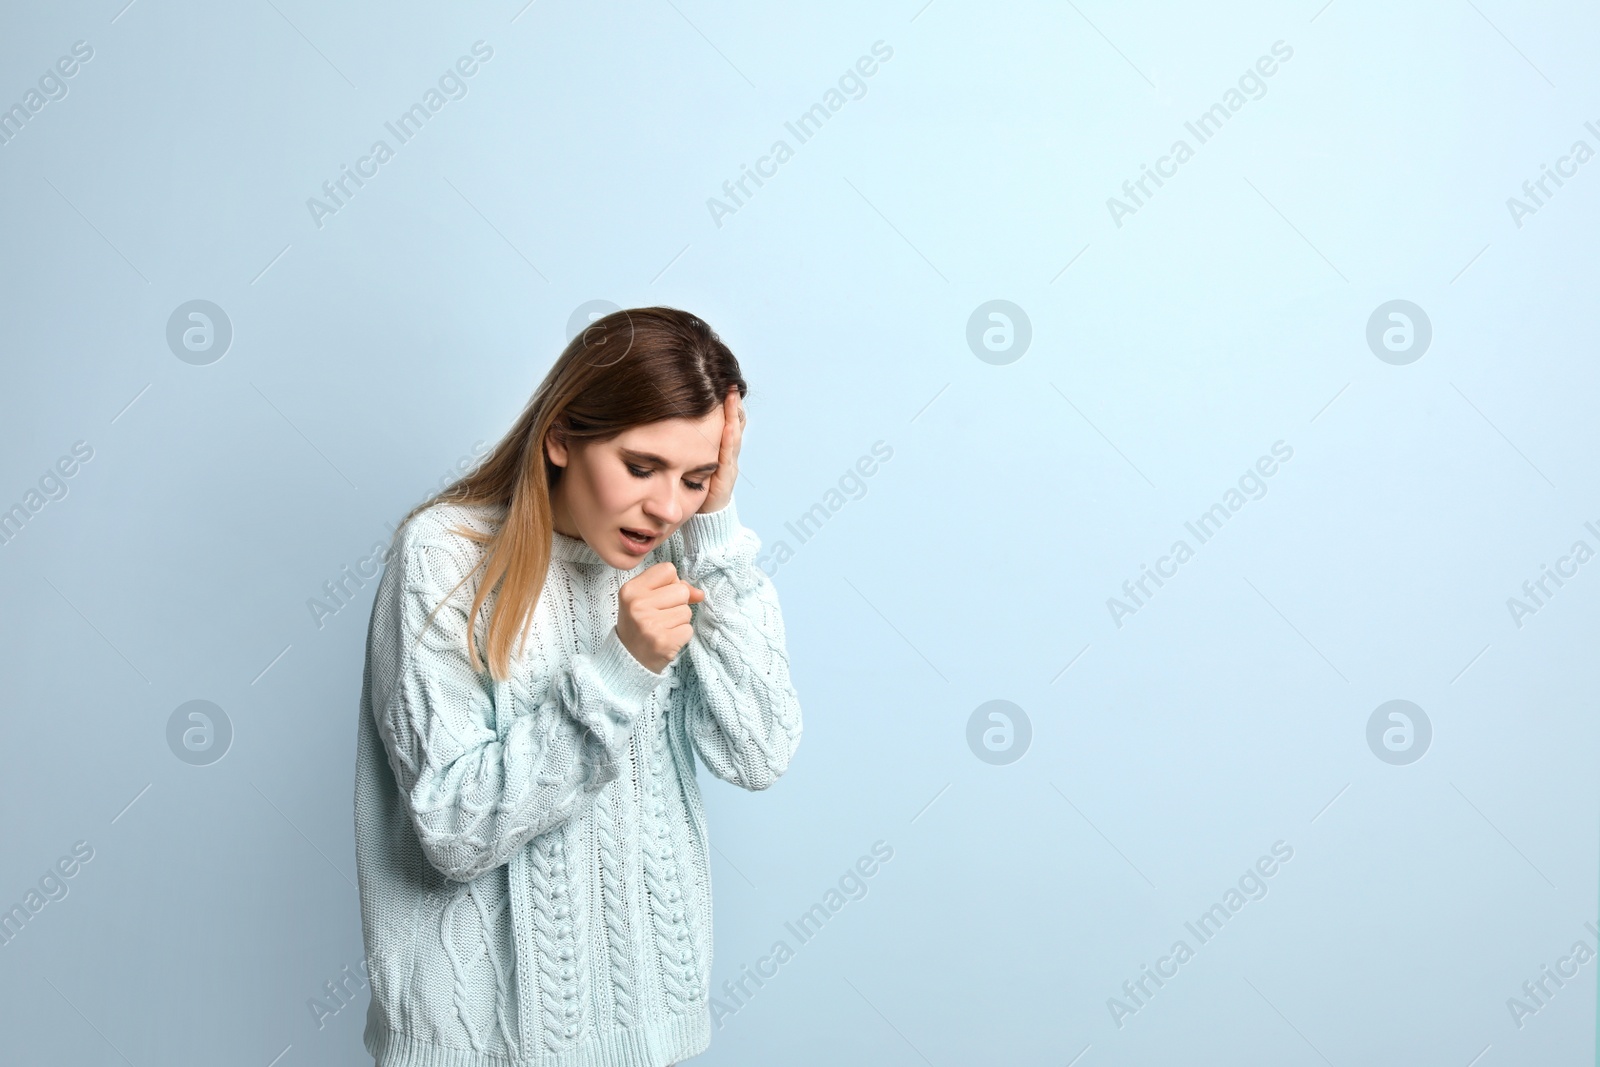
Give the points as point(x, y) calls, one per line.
point(555, 448)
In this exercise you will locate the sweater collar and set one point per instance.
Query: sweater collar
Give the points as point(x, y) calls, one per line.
point(572, 549)
point(562, 547)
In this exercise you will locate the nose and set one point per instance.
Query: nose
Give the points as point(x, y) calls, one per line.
point(664, 506)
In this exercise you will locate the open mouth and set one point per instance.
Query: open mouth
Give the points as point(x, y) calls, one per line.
point(638, 537)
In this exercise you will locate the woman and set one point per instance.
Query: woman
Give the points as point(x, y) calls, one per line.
point(530, 840)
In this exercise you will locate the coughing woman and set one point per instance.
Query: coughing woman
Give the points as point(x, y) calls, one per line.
point(554, 638)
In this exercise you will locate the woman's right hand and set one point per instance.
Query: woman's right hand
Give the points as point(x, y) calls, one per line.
point(653, 617)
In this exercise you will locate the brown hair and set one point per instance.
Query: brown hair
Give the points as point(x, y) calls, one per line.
point(626, 369)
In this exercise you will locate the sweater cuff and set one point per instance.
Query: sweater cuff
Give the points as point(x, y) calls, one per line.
point(710, 531)
point(627, 684)
point(622, 675)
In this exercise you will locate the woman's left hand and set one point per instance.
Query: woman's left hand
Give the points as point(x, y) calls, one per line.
point(721, 489)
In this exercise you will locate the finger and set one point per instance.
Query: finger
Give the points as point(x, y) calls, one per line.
point(680, 594)
point(656, 576)
point(675, 594)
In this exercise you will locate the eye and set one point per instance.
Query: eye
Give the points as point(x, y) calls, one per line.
point(645, 472)
point(696, 486)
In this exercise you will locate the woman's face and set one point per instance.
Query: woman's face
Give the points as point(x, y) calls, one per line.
point(649, 479)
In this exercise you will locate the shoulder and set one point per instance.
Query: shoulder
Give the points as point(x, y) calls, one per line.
point(442, 522)
point(431, 548)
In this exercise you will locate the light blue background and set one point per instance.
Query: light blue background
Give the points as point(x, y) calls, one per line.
point(371, 354)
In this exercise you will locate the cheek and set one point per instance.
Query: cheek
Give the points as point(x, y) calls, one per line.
point(617, 492)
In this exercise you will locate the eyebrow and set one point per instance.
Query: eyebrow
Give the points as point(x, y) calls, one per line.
point(647, 457)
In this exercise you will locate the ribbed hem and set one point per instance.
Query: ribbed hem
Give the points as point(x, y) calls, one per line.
point(623, 676)
point(710, 531)
point(658, 1045)
point(626, 686)
point(573, 549)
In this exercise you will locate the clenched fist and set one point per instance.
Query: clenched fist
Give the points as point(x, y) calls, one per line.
point(653, 617)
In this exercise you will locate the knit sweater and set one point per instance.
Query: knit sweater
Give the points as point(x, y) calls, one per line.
point(532, 853)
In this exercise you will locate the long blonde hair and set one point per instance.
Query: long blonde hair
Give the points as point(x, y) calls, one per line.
point(628, 368)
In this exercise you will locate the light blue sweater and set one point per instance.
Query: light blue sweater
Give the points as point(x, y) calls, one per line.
point(532, 854)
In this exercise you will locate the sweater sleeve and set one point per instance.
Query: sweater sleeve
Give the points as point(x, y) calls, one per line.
point(743, 714)
point(479, 770)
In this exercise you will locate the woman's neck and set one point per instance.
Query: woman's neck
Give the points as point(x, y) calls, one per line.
point(561, 520)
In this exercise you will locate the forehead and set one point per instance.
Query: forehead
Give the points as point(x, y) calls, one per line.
point(681, 442)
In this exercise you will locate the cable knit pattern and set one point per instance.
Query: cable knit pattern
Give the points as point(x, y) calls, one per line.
point(532, 854)
point(679, 972)
point(559, 953)
point(619, 934)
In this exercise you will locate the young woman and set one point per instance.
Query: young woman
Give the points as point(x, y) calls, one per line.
point(530, 840)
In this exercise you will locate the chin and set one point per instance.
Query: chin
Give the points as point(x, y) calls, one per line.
point(614, 560)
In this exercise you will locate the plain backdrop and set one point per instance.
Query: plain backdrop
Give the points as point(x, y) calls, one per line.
point(1147, 755)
